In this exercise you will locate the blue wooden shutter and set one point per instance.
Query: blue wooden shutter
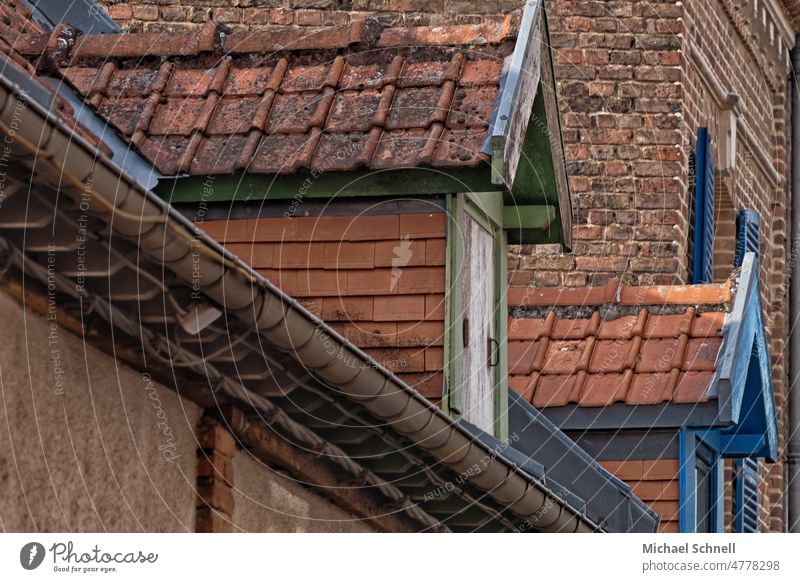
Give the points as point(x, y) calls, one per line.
point(703, 254)
point(748, 239)
point(745, 496)
point(745, 476)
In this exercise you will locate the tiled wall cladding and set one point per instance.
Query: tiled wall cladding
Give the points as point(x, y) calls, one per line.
point(379, 280)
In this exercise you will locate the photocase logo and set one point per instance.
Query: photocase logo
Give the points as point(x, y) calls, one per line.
point(402, 256)
point(31, 555)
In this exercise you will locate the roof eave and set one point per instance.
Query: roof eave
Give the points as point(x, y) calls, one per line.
point(141, 215)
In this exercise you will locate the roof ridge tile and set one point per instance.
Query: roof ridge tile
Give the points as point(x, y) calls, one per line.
point(296, 38)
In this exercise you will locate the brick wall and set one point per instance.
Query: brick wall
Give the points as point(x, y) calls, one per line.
point(185, 14)
point(632, 98)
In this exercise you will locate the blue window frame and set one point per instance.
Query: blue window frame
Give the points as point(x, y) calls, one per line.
point(700, 482)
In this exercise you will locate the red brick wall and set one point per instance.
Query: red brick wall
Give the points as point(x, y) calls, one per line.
point(184, 14)
point(631, 103)
point(379, 280)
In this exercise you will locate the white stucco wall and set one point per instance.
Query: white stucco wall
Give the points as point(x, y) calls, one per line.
point(81, 448)
point(267, 501)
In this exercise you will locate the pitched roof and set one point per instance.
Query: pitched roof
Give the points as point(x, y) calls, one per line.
point(597, 346)
point(288, 99)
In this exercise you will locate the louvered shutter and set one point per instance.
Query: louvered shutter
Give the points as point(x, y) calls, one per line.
point(745, 517)
point(703, 255)
point(745, 483)
point(747, 235)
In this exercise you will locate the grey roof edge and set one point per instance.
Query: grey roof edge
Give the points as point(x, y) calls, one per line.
point(607, 499)
point(140, 215)
point(85, 15)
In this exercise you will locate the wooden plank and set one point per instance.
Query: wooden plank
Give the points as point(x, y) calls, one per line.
point(528, 217)
point(516, 101)
point(247, 187)
point(478, 293)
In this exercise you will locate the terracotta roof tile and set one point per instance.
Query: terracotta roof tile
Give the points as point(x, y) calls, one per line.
point(123, 114)
point(416, 97)
point(552, 390)
point(605, 389)
point(692, 387)
point(460, 148)
point(472, 107)
point(701, 354)
point(594, 347)
point(416, 107)
point(564, 357)
point(480, 72)
point(340, 151)
point(188, 82)
point(353, 110)
point(233, 115)
point(175, 116)
point(400, 148)
point(218, 154)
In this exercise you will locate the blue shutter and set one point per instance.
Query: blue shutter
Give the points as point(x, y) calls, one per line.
point(747, 235)
point(745, 496)
point(745, 475)
point(703, 255)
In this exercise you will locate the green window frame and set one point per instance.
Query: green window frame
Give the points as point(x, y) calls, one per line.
point(487, 209)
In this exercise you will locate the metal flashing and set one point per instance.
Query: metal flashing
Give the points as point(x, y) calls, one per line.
point(623, 416)
point(572, 471)
point(85, 15)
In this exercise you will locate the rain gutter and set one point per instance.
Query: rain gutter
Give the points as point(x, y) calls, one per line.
point(172, 240)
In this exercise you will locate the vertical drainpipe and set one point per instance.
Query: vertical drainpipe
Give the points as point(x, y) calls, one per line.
point(793, 453)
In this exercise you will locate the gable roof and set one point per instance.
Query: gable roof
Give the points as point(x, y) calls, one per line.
point(275, 102)
point(341, 404)
point(619, 357)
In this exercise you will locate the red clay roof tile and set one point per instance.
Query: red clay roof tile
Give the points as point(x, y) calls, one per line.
point(604, 348)
point(472, 107)
point(353, 111)
point(429, 83)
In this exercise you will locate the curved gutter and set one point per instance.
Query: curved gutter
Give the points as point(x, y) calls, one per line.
point(171, 239)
